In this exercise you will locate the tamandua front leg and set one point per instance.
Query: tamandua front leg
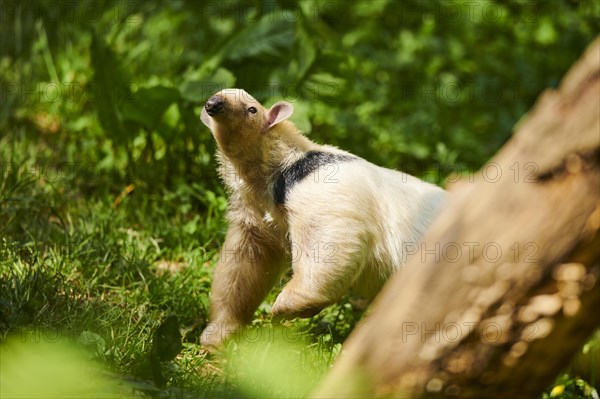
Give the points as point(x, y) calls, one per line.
point(325, 263)
point(248, 267)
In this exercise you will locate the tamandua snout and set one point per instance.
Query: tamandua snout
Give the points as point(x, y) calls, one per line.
point(340, 221)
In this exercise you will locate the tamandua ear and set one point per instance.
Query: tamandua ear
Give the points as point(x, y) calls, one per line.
point(278, 112)
point(205, 118)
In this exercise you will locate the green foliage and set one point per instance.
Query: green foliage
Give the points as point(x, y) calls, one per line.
point(567, 387)
point(111, 212)
point(426, 84)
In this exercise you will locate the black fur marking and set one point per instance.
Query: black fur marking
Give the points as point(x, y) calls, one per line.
point(312, 160)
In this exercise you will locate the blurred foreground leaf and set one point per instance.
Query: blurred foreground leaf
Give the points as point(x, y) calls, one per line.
point(39, 368)
point(274, 363)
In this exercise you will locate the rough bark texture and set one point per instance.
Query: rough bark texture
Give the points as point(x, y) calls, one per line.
point(504, 288)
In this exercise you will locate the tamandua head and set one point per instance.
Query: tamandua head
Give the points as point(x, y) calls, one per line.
point(238, 121)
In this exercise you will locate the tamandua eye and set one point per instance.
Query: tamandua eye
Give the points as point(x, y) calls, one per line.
point(252, 110)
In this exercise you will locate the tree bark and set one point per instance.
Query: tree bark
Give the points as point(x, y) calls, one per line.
point(504, 287)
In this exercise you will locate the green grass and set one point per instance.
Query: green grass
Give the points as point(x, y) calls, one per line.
point(103, 269)
point(102, 266)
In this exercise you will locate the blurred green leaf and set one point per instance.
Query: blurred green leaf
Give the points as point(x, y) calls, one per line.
point(148, 105)
point(197, 88)
point(307, 52)
point(38, 368)
point(545, 33)
point(269, 37)
point(301, 116)
point(273, 363)
point(113, 87)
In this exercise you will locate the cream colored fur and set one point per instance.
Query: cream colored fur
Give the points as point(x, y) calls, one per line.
point(345, 226)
